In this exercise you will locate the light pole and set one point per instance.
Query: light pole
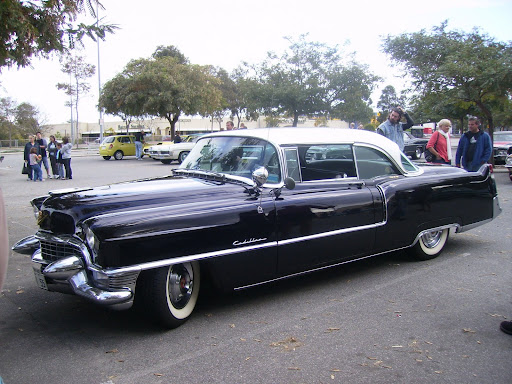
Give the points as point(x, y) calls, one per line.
point(99, 77)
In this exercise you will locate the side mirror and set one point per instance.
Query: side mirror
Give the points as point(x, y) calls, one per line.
point(260, 176)
point(289, 183)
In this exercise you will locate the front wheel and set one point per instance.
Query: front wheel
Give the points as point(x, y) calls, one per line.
point(182, 156)
point(417, 153)
point(171, 292)
point(118, 155)
point(106, 157)
point(430, 245)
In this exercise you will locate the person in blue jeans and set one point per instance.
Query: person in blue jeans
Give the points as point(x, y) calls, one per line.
point(34, 160)
point(474, 148)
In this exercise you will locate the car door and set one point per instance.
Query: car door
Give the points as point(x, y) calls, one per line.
point(330, 216)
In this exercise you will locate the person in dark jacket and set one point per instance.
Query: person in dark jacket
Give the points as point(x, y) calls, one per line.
point(26, 155)
point(474, 148)
point(42, 151)
point(52, 154)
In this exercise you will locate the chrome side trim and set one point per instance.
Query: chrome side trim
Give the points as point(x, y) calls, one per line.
point(340, 263)
point(330, 233)
point(185, 259)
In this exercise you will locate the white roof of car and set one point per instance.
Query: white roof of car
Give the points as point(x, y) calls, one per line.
point(315, 135)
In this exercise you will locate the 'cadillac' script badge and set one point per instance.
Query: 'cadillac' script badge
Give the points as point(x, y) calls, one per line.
point(247, 241)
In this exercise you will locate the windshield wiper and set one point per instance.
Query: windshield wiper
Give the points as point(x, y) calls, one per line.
point(210, 175)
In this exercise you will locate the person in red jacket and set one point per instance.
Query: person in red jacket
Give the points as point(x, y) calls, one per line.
point(439, 144)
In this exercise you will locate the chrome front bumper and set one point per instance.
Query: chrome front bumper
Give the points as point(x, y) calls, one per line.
point(70, 274)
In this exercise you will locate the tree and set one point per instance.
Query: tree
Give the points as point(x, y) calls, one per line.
point(38, 28)
point(170, 51)
point(310, 79)
point(170, 89)
point(165, 86)
point(471, 68)
point(7, 118)
point(27, 120)
point(119, 95)
point(78, 71)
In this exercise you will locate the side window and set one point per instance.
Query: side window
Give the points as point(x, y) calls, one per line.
point(292, 163)
point(372, 163)
point(327, 161)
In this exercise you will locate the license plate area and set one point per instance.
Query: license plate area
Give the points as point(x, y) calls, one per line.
point(40, 280)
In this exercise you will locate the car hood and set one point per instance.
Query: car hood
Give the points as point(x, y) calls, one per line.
point(63, 210)
point(173, 147)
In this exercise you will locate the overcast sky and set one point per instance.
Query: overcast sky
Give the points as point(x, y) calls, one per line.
point(226, 32)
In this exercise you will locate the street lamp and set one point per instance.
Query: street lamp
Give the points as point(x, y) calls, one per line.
point(99, 77)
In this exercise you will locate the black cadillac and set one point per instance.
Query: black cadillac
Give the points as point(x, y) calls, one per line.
point(249, 207)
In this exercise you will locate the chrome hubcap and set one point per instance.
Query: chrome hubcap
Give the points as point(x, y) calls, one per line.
point(431, 239)
point(181, 285)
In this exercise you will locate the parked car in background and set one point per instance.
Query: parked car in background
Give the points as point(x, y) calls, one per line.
point(248, 207)
point(167, 153)
point(502, 146)
point(117, 146)
point(508, 165)
point(147, 146)
point(414, 146)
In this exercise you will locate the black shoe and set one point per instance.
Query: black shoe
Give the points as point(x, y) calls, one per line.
point(506, 326)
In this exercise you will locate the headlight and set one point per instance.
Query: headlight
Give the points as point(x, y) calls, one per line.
point(92, 241)
point(502, 152)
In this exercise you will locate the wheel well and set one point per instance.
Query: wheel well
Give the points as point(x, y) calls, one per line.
point(455, 226)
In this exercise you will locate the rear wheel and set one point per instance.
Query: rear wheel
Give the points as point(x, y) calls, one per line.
point(182, 156)
point(118, 155)
point(171, 293)
point(430, 245)
point(107, 157)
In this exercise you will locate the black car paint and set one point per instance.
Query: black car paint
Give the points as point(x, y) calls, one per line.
point(245, 239)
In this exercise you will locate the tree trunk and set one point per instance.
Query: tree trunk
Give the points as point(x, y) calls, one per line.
point(295, 118)
point(172, 119)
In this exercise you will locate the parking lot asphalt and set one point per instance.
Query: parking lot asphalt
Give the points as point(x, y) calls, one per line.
point(385, 319)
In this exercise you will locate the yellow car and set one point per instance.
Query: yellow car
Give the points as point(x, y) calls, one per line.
point(117, 146)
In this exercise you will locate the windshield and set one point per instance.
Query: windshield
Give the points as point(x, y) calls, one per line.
point(502, 136)
point(238, 156)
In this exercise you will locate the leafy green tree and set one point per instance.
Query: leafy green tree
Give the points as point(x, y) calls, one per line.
point(170, 51)
point(171, 89)
point(28, 120)
point(38, 28)
point(165, 86)
point(7, 118)
point(119, 95)
point(79, 71)
point(310, 79)
point(352, 87)
point(470, 68)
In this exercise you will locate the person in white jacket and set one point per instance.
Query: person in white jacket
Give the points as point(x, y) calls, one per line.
point(66, 156)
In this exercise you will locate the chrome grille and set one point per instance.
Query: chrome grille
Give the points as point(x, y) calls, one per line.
point(51, 251)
